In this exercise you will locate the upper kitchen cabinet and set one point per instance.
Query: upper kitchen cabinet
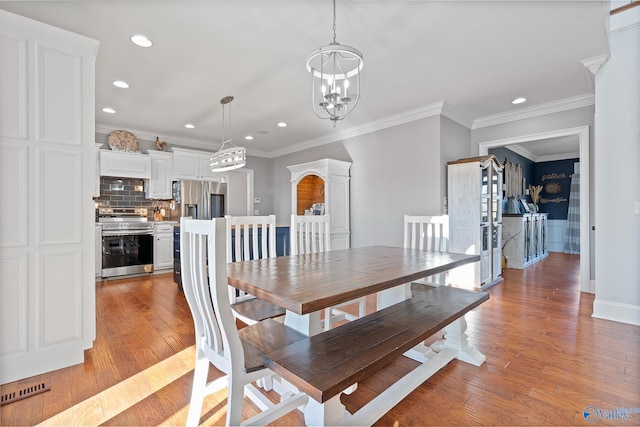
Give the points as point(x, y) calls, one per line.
point(47, 181)
point(125, 165)
point(159, 185)
point(324, 184)
point(193, 164)
point(475, 217)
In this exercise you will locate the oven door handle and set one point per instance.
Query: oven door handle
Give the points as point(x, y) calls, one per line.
point(115, 233)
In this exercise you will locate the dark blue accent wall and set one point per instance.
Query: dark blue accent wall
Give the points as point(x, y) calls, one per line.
point(555, 178)
point(504, 154)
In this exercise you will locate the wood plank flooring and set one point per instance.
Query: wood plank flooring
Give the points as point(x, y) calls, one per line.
point(547, 360)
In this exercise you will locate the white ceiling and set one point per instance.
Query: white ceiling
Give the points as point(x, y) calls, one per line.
point(546, 150)
point(475, 55)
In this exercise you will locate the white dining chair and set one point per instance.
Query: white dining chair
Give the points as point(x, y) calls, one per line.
point(429, 233)
point(311, 234)
point(218, 341)
point(249, 238)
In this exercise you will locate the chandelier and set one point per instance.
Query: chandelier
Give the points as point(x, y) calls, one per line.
point(233, 157)
point(331, 68)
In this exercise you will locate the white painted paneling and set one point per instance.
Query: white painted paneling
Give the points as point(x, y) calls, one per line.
point(58, 79)
point(13, 87)
point(59, 294)
point(339, 191)
point(555, 237)
point(13, 294)
point(47, 170)
point(59, 209)
point(13, 206)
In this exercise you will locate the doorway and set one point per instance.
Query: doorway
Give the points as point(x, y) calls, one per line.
point(582, 132)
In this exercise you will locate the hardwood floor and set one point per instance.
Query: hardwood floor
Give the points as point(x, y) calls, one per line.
point(547, 360)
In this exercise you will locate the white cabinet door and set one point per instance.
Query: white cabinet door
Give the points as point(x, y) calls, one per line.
point(125, 165)
point(162, 246)
point(96, 181)
point(159, 185)
point(185, 164)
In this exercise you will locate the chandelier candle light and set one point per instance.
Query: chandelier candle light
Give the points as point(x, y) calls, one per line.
point(233, 157)
point(331, 67)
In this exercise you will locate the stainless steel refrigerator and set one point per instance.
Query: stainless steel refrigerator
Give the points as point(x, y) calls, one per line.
point(200, 199)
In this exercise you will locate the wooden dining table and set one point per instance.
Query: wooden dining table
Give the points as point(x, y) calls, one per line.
point(305, 285)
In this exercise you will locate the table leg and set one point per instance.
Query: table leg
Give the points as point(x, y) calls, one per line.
point(329, 413)
point(393, 295)
point(308, 324)
point(455, 337)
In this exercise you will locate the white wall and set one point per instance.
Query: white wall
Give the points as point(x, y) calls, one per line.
point(617, 182)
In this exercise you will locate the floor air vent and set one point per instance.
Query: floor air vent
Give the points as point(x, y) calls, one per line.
point(25, 392)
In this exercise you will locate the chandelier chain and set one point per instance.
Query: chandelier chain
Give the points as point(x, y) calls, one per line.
point(334, 21)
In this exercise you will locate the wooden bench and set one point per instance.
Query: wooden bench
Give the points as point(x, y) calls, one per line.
point(326, 364)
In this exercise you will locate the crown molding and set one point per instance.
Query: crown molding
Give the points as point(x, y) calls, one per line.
point(177, 142)
point(594, 64)
point(579, 101)
point(387, 122)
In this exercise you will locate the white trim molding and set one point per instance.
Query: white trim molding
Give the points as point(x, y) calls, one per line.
point(583, 135)
point(572, 103)
point(594, 64)
point(616, 311)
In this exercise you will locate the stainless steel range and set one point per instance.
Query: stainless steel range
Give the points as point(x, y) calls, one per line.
point(127, 241)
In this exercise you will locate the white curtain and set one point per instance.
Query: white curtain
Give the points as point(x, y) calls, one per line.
point(572, 235)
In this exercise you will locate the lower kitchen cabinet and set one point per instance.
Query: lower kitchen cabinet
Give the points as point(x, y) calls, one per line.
point(162, 247)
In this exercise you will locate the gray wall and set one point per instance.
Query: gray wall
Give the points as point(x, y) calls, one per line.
point(395, 171)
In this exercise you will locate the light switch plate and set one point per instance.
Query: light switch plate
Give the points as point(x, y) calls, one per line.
point(636, 208)
point(256, 211)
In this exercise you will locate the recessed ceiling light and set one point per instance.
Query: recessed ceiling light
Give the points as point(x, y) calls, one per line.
point(109, 110)
point(282, 125)
point(248, 137)
point(121, 84)
point(519, 100)
point(189, 126)
point(141, 40)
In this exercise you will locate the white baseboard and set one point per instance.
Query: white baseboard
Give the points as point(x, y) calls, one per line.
point(616, 311)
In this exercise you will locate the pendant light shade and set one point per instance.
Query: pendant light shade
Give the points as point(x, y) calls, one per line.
point(232, 157)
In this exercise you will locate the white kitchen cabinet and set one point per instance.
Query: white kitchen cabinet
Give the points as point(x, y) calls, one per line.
point(475, 217)
point(98, 252)
point(526, 239)
point(125, 165)
point(333, 192)
point(162, 246)
point(47, 172)
point(159, 185)
point(96, 179)
point(193, 164)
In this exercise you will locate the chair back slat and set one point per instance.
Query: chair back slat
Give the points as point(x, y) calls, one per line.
point(427, 233)
point(204, 273)
point(310, 234)
point(251, 237)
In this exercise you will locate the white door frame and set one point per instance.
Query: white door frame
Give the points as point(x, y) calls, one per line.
point(582, 132)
